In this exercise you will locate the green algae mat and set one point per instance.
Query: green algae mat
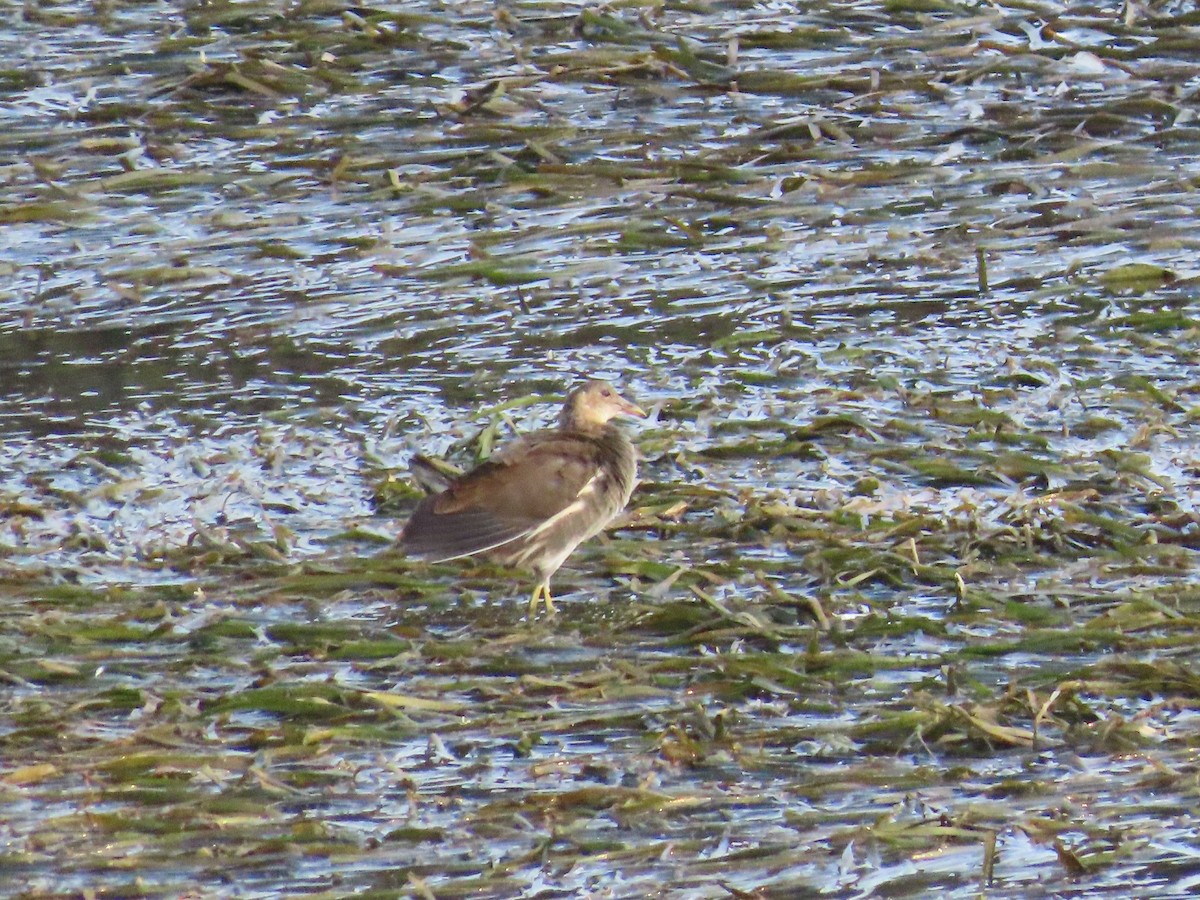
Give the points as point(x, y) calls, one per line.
point(906, 604)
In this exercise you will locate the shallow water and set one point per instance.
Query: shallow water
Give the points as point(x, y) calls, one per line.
point(257, 254)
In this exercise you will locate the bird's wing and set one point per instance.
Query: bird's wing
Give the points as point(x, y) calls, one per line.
point(520, 491)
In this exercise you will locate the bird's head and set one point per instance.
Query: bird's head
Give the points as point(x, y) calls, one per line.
point(594, 403)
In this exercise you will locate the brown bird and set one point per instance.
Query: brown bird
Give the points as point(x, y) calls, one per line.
point(537, 499)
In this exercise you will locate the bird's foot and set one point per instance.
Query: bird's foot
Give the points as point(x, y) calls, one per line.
point(541, 592)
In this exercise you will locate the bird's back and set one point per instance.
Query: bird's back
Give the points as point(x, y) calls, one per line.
point(532, 503)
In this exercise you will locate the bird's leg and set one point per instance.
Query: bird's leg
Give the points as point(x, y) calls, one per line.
point(540, 592)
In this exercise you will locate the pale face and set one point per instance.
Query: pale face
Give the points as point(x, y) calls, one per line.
point(597, 402)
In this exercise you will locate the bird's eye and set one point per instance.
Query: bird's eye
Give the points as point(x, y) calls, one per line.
point(606, 393)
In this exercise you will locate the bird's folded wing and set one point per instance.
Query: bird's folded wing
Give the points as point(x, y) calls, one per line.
point(518, 493)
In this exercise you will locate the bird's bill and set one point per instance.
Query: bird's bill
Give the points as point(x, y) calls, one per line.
point(629, 408)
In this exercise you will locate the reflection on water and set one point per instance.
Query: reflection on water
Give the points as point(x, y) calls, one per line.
point(286, 250)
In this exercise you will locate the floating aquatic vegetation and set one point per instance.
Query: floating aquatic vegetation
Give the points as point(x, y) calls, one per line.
point(906, 602)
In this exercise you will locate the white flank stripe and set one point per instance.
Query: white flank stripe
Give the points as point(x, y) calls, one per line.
point(575, 506)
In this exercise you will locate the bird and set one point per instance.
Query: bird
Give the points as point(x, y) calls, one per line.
point(532, 502)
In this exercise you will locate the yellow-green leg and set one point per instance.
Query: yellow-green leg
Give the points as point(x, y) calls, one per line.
point(541, 592)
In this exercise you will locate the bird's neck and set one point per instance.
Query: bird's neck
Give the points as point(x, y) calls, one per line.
point(569, 420)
